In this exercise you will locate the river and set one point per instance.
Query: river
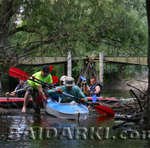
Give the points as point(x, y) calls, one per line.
point(43, 131)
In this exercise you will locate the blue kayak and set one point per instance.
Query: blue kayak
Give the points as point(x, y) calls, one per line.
point(71, 110)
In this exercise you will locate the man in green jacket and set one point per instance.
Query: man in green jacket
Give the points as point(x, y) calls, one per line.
point(69, 88)
point(32, 87)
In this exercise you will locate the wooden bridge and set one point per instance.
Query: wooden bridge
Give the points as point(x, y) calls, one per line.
point(67, 61)
point(58, 60)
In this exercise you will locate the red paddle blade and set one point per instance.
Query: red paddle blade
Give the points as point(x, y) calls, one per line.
point(19, 71)
point(55, 79)
point(51, 68)
point(103, 118)
point(104, 110)
point(14, 72)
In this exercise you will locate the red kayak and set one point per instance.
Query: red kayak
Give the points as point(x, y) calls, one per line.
point(13, 102)
point(15, 99)
point(104, 100)
point(12, 99)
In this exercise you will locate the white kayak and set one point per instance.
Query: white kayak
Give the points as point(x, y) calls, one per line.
point(71, 110)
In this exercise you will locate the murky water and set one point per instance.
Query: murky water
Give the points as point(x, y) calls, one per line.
point(32, 131)
point(116, 93)
point(43, 131)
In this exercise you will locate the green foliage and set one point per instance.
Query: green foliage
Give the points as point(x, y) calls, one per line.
point(87, 25)
point(116, 27)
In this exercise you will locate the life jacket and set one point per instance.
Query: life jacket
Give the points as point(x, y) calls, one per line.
point(92, 88)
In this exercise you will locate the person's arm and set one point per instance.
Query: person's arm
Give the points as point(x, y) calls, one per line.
point(41, 92)
point(88, 88)
point(51, 91)
point(97, 89)
point(17, 87)
point(81, 94)
point(56, 90)
point(12, 94)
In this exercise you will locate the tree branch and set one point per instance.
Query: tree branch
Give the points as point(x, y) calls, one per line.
point(23, 28)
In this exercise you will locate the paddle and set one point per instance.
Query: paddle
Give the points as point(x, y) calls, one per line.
point(94, 98)
point(51, 68)
point(82, 78)
point(100, 108)
point(15, 72)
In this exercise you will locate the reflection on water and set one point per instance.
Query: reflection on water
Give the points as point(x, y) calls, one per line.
point(32, 131)
point(116, 93)
point(15, 131)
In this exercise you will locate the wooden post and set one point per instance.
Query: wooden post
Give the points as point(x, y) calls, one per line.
point(69, 64)
point(65, 68)
point(0, 88)
point(101, 58)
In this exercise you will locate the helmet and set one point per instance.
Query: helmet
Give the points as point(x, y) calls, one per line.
point(62, 79)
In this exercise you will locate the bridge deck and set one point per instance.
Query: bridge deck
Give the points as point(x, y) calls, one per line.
point(58, 60)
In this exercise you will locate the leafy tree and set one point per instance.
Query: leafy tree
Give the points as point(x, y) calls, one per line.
point(52, 27)
point(148, 20)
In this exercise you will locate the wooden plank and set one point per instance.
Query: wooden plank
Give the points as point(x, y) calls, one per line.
point(69, 64)
point(127, 60)
point(101, 58)
point(42, 60)
point(58, 60)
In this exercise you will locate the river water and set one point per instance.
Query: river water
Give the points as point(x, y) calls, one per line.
point(43, 131)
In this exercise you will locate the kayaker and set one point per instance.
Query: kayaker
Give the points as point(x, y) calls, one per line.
point(95, 88)
point(32, 87)
point(18, 92)
point(69, 88)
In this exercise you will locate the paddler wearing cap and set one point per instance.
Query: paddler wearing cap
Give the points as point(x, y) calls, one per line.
point(69, 87)
point(32, 87)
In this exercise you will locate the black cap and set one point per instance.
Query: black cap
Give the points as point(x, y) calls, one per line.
point(45, 69)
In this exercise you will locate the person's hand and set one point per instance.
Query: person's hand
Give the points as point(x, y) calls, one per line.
point(44, 97)
point(91, 93)
point(90, 108)
point(7, 94)
point(50, 86)
point(59, 91)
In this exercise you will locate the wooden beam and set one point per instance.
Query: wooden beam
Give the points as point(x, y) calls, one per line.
point(127, 60)
point(65, 69)
point(43, 60)
point(101, 58)
point(59, 60)
point(69, 64)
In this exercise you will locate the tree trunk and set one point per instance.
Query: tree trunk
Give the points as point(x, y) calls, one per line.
point(148, 21)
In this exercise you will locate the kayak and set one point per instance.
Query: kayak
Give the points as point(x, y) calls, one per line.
point(104, 100)
point(16, 99)
point(71, 110)
point(12, 99)
point(13, 102)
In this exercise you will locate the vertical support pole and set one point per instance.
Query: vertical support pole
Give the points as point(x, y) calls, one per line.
point(101, 58)
point(0, 88)
point(69, 64)
point(65, 69)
